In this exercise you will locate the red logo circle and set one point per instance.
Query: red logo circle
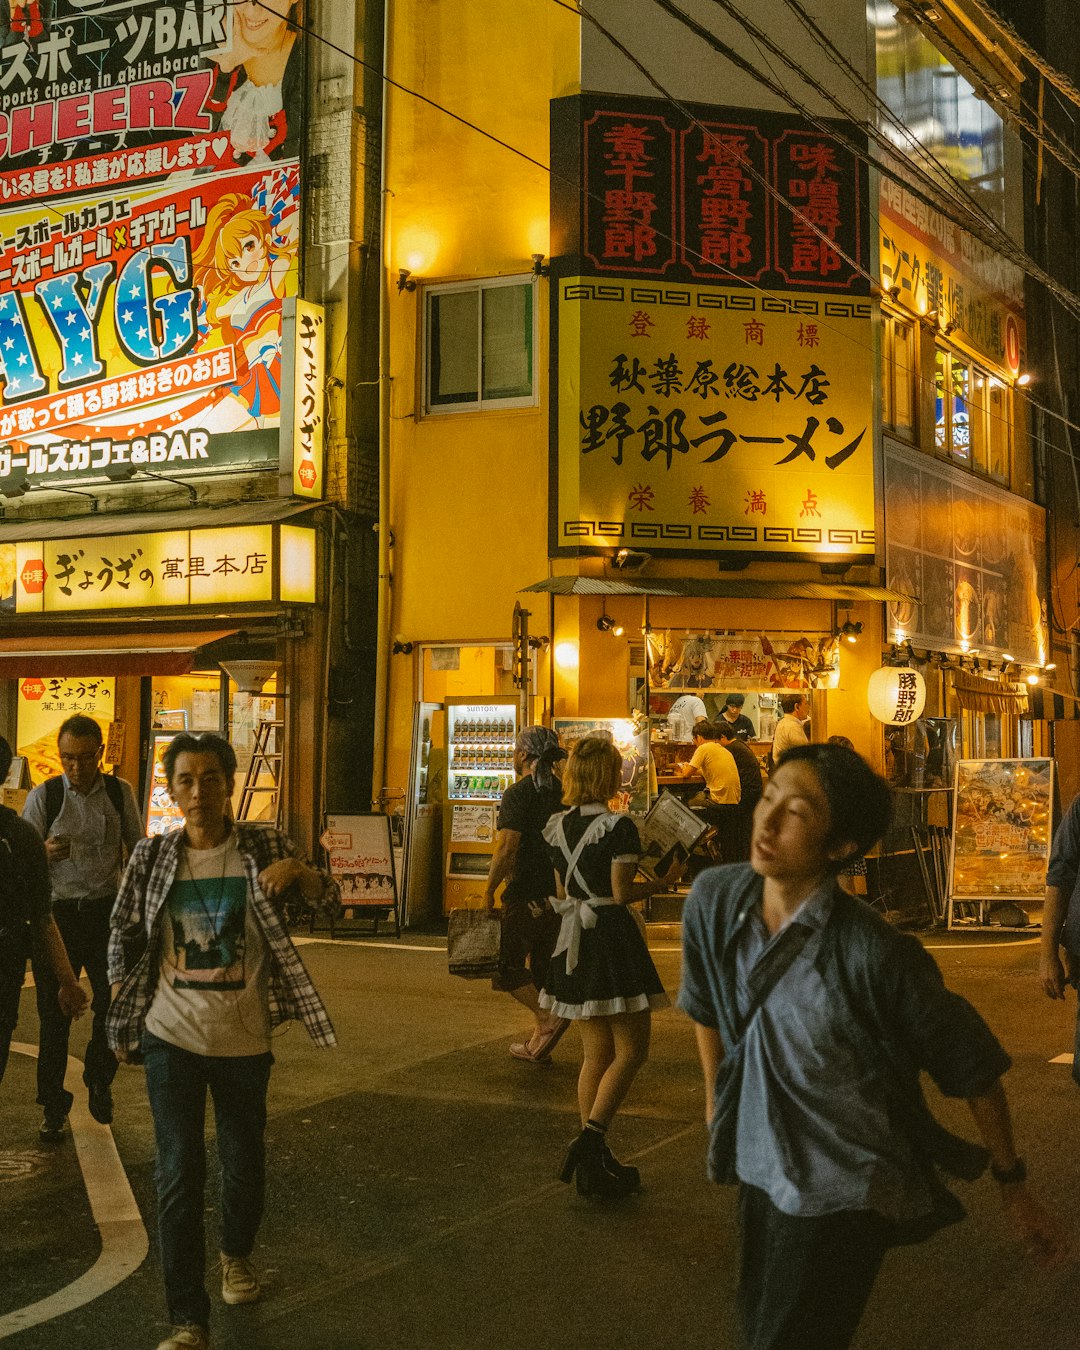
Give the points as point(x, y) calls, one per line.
point(33, 576)
point(306, 474)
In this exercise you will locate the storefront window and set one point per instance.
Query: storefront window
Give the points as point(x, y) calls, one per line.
point(186, 703)
point(999, 411)
point(467, 671)
point(972, 419)
point(898, 375)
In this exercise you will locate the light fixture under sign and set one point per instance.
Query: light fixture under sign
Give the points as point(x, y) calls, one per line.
point(250, 677)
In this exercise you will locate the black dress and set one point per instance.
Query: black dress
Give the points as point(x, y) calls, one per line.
point(613, 972)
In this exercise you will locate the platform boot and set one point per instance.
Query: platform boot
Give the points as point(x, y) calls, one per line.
point(586, 1163)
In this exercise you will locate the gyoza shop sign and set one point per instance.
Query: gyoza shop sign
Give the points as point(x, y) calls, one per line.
point(242, 565)
point(700, 419)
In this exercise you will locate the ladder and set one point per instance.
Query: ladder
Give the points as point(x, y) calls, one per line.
point(263, 777)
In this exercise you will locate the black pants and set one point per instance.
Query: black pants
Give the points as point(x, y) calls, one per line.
point(12, 973)
point(804, 1282)
point(84, 926)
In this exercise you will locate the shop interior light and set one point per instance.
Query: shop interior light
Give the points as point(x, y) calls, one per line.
point(1050, 665)
point(1033, 679)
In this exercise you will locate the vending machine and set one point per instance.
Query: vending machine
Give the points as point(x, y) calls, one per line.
point(480, 740)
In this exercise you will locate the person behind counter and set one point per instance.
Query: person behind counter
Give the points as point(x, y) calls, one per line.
point(683, 714)
point(732, 715)
point(791, 729)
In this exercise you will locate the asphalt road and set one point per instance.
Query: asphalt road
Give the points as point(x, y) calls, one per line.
point(413, 1206)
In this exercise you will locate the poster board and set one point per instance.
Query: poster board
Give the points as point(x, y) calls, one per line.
point(1002, 814)
point(360, 855)
point(162, 815)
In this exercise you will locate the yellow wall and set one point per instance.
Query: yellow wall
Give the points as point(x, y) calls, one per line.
point(468, 491)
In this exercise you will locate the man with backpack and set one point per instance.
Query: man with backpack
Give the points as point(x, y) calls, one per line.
point(89, 821)
point(25, 916)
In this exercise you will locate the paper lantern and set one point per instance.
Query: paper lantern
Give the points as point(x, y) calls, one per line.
point(896, 695)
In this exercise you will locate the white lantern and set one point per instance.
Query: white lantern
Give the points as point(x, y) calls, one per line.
point(896, 695)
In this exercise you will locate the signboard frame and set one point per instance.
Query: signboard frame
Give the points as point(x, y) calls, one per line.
point(370, 837)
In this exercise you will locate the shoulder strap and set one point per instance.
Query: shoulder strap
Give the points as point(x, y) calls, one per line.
point(114, 792)
point(769, 971)
point(54, 801)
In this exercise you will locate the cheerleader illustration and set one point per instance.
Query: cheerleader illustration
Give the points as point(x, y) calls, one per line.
point(257, 91)
point(244, 268)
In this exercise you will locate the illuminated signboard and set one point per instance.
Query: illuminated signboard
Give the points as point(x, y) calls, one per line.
point(149, 225)
point(702, 419)
point(240, 565)
point(302, 393)
point(45, 704)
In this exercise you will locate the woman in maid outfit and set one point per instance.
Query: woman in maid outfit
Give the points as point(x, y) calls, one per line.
point(601, 974)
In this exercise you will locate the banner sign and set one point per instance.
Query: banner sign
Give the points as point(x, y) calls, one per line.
point(149, 227)
point(973, 554)
point(705, 661)
point(45, 704)
point(303, 391)
point(704, 419)
point(721, 194)
point(242, 564)
point(932, 264)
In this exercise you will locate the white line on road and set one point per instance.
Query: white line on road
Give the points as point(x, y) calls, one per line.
point(124, 1243)
point(1062, 1059)
point(981, 946)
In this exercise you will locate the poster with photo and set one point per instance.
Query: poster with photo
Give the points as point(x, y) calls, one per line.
point(1002, 813)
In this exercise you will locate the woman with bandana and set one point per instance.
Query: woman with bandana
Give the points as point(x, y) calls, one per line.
point(530, 927)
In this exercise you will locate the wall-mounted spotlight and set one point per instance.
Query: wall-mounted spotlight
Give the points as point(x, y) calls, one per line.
point(540, 268)
point(401, 647)
point(607, 624)
point(849, 630)
point(949, 328)
point(630, 560)
point(1025, 379)
point(405, 280)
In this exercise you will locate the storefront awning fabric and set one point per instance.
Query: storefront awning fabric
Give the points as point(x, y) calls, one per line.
point(148, 522)
point(75, 657)
point(731, 588)
point(975, 693)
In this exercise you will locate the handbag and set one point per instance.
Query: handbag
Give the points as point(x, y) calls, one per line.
point(723, 1128)
point(473, 944)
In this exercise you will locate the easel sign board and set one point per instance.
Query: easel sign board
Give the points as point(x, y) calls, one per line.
point(1002, 815)
point(361, 854)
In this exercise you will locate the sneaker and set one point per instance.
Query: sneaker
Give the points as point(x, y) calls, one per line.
point(188, 1337)
point(101, 1103)
point(51, 1130)
point(239, 1283)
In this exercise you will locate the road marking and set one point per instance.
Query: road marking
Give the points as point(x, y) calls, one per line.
point(124, 1243)
point(361, 943)
point(1062, 1059)
point(980, 946)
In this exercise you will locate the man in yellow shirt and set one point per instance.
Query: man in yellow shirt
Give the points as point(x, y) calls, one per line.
point(716, 765)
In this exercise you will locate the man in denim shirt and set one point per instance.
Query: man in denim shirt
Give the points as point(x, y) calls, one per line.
point(834, 1147)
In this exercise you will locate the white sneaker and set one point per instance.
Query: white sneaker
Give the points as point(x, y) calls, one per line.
point(239, 1283)
point(188, 1337)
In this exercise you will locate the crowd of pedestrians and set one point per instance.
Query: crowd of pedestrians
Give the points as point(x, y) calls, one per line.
point(813, 1017)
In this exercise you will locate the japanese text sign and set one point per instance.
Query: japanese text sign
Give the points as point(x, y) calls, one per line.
point(165, 570)
point(722, 194)
point(304, 379)
point(695, 419)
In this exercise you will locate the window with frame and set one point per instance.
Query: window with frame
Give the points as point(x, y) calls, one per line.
point(898, 358)
point(972, 416)
point(480, 345)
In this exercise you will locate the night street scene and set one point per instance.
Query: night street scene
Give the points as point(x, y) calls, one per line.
point(539, 674)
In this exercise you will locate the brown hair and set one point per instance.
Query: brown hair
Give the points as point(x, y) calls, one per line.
point(593, 772)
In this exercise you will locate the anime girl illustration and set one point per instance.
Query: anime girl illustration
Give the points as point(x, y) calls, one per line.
point(244, 268)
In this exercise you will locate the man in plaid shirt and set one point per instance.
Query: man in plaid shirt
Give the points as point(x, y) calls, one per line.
point(217, 972)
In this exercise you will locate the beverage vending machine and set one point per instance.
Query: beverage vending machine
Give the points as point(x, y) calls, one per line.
point(480, 738)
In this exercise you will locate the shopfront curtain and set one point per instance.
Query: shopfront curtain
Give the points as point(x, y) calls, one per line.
point(975, 693)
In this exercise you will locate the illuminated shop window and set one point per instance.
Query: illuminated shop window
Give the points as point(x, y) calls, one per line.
point(480, 344)
point(972, 416)
point(898, 375)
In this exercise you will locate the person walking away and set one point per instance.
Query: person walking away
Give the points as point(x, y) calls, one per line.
point(601, 975)
point(218, 972)
point(26, 919)
point(732, 714)
point(791, 729)
point(737, 843)
point(814, 1018)
point(530, 927)
point(90, 822)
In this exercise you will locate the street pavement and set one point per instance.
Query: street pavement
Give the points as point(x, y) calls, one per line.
point(413, 1203)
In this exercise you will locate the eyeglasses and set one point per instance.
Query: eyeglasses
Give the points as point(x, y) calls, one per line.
point(82, 759)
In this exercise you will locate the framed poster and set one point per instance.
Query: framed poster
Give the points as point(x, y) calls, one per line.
point(1002, 813)
point(360, 850)
point(632, 742)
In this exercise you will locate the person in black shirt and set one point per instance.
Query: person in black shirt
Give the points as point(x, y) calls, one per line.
point(736, 843)
point(732, 715)
point(530, 927)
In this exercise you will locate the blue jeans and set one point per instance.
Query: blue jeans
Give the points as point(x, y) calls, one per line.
point(176, 1083)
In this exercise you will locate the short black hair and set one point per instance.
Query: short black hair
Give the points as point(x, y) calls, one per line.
point(207, 744)
point(725, 731)
point(6, 756)
point(708, 731)
point(860, 801)
point(734, 700)
point(81, 725)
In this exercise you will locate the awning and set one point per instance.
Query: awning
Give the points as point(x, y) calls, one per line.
point(730, 588)
point(209, 517)
point(152, 652)
point(975, 693)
